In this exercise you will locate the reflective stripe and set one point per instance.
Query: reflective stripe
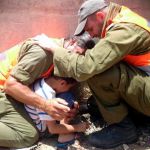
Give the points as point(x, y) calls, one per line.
point(8, 60)
point(47, 73)
point(138, 60)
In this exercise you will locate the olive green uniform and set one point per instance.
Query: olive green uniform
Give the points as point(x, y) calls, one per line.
point(16, 127)
point(112, 81)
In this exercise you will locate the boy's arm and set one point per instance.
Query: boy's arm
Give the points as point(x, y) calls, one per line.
point(64, 128)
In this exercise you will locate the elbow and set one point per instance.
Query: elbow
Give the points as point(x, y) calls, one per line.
point(9, 85)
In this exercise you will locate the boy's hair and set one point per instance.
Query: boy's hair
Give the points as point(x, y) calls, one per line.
point(67, 79)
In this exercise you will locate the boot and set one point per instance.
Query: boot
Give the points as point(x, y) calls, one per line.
point(114, 135)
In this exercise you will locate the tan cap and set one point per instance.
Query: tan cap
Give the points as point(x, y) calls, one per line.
point(87, 8)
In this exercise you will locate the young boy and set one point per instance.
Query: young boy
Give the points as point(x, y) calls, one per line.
point(49, 88)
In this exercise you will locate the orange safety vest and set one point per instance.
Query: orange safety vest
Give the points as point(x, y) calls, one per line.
point(141, 61)
point(8, 59)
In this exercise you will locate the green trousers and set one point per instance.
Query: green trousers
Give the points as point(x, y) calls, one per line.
point(16, 128)
point(119, 86)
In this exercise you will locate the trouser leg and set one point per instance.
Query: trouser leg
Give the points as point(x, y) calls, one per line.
point(16, 128)
point(119, 85)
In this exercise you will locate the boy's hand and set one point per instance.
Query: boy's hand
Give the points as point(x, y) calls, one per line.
point(74, 110)
point(82, 126)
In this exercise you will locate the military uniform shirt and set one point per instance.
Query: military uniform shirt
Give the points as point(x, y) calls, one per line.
point(121, 39)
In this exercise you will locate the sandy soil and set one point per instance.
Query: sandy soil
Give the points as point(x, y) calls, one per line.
point(143, 142)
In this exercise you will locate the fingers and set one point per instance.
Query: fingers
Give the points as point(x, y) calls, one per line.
point(62, 105)
point(57, 108)
point(57, 116)
point(45, 42)
point(62, 101)
point(76, 105)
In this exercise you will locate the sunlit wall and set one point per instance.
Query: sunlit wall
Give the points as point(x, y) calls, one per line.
point(20, 19)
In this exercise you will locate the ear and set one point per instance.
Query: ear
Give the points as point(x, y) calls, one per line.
point(63, 82)
point(100, 15)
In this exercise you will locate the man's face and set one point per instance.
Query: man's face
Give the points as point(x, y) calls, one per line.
point(94, 26)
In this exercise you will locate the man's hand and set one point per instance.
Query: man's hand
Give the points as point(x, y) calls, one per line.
point(57, 108)
point(45, 42)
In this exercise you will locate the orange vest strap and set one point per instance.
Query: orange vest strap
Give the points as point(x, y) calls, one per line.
point(138, 60)
point(2, 82)
point(48, 72)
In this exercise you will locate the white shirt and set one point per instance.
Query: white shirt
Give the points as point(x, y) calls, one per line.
point(38, 116)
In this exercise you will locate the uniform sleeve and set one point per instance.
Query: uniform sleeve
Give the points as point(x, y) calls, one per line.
point(32, 62)
point(119, 41)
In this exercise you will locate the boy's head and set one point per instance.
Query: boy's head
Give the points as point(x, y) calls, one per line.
point(60, 84)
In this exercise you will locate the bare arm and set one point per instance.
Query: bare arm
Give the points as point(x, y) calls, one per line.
point(55, 108)
point(64, 128)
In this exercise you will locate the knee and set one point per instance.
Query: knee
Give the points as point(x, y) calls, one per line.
point(27, 139)
point(18, 138)
point(30, 138)
point(109, 78)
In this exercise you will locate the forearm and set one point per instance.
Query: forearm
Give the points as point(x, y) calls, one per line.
point(23, 93)
point(63, 128)
point(57, 108)
point(69, 64)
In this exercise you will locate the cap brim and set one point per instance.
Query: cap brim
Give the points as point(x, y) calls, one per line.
point(80, 27)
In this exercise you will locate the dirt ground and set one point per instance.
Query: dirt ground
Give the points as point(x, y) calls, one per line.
point(143, 142)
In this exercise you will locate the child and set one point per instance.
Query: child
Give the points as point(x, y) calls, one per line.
point(49, 88)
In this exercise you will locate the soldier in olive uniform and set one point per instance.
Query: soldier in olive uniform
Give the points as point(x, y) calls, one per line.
point(117, 69)
point(16, 127)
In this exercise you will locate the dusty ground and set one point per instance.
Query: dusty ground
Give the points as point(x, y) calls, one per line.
point(143, 142)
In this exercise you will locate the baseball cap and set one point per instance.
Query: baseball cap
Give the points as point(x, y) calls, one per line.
point(87, 8)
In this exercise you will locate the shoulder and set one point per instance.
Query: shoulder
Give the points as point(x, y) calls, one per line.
point(130, 28)
point(28, 48)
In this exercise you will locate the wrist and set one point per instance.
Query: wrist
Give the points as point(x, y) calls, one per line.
point(44, 106)
point(77, 128)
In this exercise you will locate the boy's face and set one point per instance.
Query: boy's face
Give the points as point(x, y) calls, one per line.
point(63, 86)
